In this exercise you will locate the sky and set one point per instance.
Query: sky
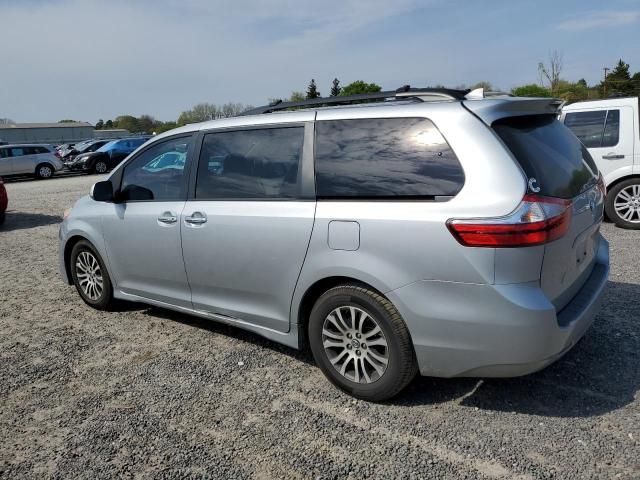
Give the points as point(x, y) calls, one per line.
point(97, 59)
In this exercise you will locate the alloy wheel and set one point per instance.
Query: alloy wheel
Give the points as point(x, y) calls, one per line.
point(355, 344)
point(627, 204)
point(44, 171)
point(101, 167)
point(89, 275)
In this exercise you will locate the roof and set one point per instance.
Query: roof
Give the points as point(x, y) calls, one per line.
point(47, 125)
point(605, 102)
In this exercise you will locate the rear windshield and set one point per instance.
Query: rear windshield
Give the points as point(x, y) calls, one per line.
point(549, 153)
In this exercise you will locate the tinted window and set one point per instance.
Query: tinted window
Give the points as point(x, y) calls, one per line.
point(384, 158)
point(4, 153)
point(158, 173)
point(550, 153)
point(611, 129)
point(108, 146)
point(250, 164)
point(587, 126)
point(41, 150)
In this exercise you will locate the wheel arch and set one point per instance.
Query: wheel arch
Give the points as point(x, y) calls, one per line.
point(622, 179)
point(311, 295)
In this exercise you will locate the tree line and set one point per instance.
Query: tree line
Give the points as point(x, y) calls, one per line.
point(619, 82)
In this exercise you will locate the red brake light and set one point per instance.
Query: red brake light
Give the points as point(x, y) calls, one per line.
point(536, 221)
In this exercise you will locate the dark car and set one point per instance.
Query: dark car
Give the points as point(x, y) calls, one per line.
point(107, 156)
point(4, 201)
point(84, 147)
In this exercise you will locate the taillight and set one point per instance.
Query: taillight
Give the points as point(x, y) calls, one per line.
point(536, 221)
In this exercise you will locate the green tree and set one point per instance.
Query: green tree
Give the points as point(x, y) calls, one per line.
point(358, 87)
point(108, 124)
point(128, 122)
point(297, 97)
point(531, 90)
point(619, 82)
point(312, 90)
point(582, 82)
point(335, 87)
point(99, 124)
point(483, 84)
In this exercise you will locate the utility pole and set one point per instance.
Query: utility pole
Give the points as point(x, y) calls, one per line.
point(605, 81)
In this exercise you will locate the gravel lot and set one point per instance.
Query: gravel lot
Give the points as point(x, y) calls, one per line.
point(149, 393)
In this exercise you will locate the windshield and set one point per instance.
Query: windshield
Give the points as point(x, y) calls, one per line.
point(107, 146)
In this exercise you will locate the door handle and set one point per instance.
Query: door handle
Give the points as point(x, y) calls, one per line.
point(612, 156)
point(196, 218)
point(168, 218)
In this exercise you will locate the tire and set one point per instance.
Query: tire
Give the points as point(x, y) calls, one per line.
point(325, 328)
point(2, 217)
point(100, 167)
point(83, 260)
point(44, 170)
point(626, 192)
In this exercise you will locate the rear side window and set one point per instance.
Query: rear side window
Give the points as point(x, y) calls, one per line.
point(598, 128)
point(17, 152)
point(41, 150)
point(250, 164)
point(3, 153)
point(550, 153)
point(384, 158)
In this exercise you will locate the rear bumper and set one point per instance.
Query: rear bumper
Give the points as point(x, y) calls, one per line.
point(495, 330)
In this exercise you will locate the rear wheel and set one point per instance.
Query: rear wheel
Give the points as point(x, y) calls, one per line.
point(90, 276)
point(100, 167)
point(44, 170)
point(623, 204)
point(360, 342)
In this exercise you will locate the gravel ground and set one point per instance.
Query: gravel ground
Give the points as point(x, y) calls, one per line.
point(148, 393)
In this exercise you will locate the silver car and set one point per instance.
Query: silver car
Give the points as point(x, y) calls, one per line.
point(29, 159)
point(433, 231)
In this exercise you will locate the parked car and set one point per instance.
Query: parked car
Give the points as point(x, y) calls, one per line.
point(4, 201)
point(37, 160)
point(610, 131)
point(63, 148)
point(107, 156)
point(437, 231)
point(88, 146)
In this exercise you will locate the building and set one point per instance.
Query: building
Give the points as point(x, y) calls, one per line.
point(111, 133)
point(54, 133)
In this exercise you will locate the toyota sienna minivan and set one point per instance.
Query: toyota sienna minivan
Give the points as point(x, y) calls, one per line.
point(444, 232)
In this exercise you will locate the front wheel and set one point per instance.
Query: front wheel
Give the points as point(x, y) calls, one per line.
point(622, 204)
point(100, 167)
point(361, 344)
point(90, 276)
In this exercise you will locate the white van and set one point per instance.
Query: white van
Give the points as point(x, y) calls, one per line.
point(610, 131)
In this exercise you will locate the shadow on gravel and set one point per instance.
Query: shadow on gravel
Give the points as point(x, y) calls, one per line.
point(230, 331)
point(21, 221)
point(599, 375)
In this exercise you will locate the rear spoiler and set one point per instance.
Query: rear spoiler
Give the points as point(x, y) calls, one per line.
point(491, 109)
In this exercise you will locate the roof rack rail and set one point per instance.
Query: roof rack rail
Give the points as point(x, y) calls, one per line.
point(403, 93)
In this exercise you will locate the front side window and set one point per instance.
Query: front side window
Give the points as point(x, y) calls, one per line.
point(158, 173)
point(250, 164)
point(595, 129)
point(380, 158)
point(611, 129)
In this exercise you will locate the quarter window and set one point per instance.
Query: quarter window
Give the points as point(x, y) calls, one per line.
point(384, 158)
point(250, 164)
point(595, 129)
point(158, 173)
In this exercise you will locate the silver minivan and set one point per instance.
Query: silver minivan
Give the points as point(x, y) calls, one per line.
point(29, 159)
point(424, 230)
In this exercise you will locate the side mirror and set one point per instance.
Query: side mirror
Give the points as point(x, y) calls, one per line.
point(102, 191)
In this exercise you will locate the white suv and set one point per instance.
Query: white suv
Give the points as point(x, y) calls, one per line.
point(37, 160)
point(610, 131)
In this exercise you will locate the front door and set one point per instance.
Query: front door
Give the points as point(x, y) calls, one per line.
point(142, 235)
point(246, 231)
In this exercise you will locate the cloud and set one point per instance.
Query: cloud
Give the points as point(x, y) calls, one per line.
point(600, 20)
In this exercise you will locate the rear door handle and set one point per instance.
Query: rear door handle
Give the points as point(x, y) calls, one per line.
point(612, 156)
point(168, 218)
point(196, 218)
